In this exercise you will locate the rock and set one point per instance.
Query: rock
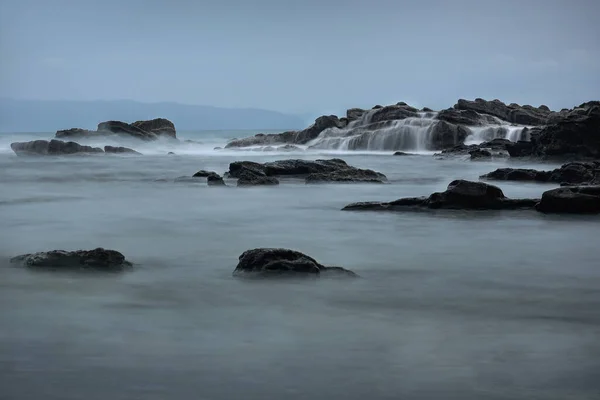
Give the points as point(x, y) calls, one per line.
point(52, 147)
point(318, 171)
point(123, 128)
point(289, 147)
point(355, 113)
point(98, 260)
point(577, 134)
point(250, 177)
point(426, 109)
point(525, 115)
point(479, 154)
point(401, 153)
point(204, 174)
point(74, 133)
point(378, 106)
point(157, 126)
point(569, 173)
point(571, 200)
point(215, 180)
point(465, 117)
point(170, 153)
point(218, 148)
point(395, 112)
point(460, 195)
point(111, 149)
point(269, 263)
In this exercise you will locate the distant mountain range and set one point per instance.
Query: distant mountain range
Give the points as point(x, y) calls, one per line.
point(44, 116)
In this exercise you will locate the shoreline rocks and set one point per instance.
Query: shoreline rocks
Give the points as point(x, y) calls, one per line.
point(98, 259)
point(318, 171)
point(571, 200)
point(144, 130)
point(51, 148)
point(573, 173)
point(282, 263)
point(120, 150)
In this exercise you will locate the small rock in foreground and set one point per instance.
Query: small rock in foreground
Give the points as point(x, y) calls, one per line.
point(271, 262)
point(90, 260)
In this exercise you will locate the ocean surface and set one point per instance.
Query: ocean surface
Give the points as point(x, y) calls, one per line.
point(450, 304)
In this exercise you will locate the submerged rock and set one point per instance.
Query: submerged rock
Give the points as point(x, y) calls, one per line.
point(571, 200)
point(333, 170)
point(460, 195)
point(97, 260)
point(215, 180)
point(270, 262)
point(111, 149)
point(204, 174)
point(52, 147)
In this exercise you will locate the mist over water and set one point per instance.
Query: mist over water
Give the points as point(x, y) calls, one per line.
point(450, 304)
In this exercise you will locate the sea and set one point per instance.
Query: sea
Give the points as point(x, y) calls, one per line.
point(449, 304)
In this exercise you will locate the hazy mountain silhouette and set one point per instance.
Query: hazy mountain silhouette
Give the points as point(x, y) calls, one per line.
point(41, 116)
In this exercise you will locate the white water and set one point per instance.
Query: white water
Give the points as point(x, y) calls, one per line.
point(412, 134)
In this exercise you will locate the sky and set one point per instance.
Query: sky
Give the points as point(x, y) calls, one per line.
point(312, 56)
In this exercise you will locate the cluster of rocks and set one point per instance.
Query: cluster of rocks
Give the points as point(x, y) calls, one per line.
point(467, 195)
point(212, 178)
point(251, 173)
point(144, 130)
point(58, 147)
point(573, 173)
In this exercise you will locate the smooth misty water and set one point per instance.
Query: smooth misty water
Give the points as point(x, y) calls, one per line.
point(469, 305)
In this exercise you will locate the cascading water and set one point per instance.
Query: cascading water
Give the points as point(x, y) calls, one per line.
point(413, 133)
point(500, 130)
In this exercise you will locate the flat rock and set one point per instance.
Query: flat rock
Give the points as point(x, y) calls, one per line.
point(272, 262)
point(571, 200)
point(52, 148)
point(96, 260)
point(572, 173)
point(460, 195)
point(204, 174)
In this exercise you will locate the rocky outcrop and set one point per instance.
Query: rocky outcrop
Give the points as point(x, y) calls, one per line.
point(514, 113)
point(93, 260)
point(465, 117)
point(272, 263)
point(460, 194)
point(157, 126)
point(572, 173)
point(319, 171)
point(143, 130)
point(120, 150)
point(576, 135)
point(493, 148)
point(52, 147)
point(291, 137)
point(571, 200)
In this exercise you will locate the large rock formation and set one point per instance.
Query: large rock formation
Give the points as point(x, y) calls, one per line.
point(568, 174)
point(333, 170)
point(144, 130)
point(52, 147)
point(460, 194)
point(514, 113)
point(97, 260)
point(571, 200)
point(269, 263)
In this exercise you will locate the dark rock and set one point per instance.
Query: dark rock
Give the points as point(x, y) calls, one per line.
point(218, 148)
point(355, 113)
point(157, 126)
point(170, 153)
point(204, 174)
point(513, 113)
point(268, 263)
point(444, 135)
point(74, 133)
point(377, 107)
point(401, 153)
point(52, 147)
point(569, 173)
point(426, 109)
point(123, 128)
point(460, 195)
point(111, 149)
point(333, 170)
point(98, 260)
point(395, 112)
point(479, 154)
point(250, 177)
point(571, 200)
point(215, 180)
point(465, 117)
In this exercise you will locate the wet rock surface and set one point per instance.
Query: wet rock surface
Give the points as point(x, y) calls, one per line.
point(52, 147)
point(98, 259)
point(273, 263)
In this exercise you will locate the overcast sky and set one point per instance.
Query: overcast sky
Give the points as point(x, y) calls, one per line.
point(301, 56)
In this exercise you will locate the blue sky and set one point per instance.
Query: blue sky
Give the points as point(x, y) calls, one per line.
point(301, 56)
